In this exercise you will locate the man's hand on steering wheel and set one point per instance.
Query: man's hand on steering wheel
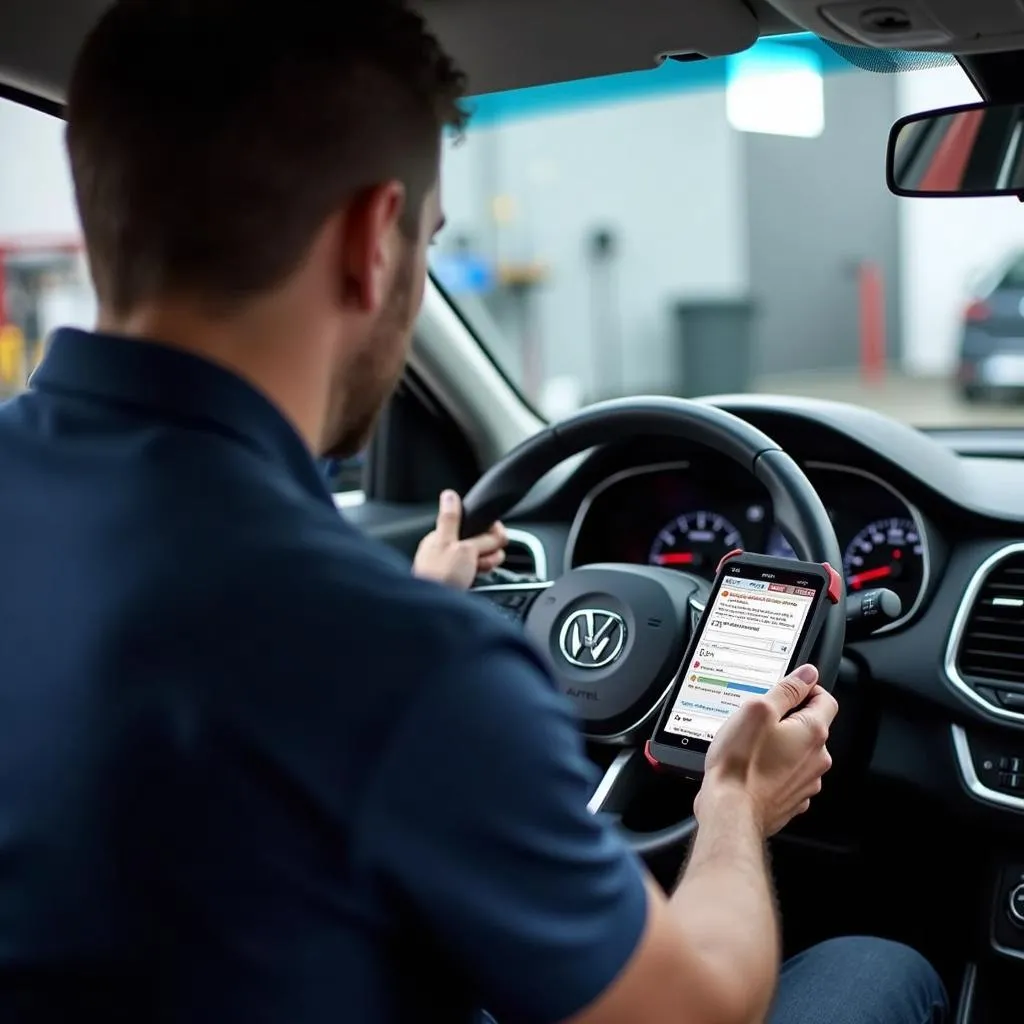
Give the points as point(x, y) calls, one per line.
point(443, 557)
point(772, 753)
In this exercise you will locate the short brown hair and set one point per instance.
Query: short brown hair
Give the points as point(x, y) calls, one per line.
point(211, 139)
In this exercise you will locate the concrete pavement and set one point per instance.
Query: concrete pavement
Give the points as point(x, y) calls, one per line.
point(919, 401)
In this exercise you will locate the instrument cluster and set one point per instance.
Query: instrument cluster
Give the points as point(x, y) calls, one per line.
point(687, 515)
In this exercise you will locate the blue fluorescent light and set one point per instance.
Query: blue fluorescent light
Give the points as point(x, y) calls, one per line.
point(776, 89)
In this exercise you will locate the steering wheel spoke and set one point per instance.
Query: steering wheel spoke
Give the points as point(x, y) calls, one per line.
point(618, 784)
point(513, 600)
point(615, 792)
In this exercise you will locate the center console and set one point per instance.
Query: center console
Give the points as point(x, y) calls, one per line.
point(990, 992)
point(1008, 914)
point(991, 767)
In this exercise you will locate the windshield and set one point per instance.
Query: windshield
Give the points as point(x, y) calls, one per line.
point(724, 226)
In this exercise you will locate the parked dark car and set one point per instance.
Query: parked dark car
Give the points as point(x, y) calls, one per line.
point(992, 345)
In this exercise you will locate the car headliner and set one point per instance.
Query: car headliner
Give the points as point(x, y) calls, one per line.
point(505, 44)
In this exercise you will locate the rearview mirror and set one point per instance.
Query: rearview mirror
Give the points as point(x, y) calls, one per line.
point(975, 150)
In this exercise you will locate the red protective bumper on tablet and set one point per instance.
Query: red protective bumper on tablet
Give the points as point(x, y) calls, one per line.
point(651, 759)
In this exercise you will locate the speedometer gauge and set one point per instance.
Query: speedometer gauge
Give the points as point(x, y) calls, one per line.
point(695, 542)
point(886, 553)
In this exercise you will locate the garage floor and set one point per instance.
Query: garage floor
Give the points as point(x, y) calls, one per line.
point(922, 402)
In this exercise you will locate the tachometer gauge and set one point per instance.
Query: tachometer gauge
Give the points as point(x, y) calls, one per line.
point(695, 542)
point(887, 553)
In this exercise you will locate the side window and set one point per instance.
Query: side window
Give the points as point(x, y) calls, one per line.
point(44, 280)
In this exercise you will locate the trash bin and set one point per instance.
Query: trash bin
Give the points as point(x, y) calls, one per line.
point(714, 346)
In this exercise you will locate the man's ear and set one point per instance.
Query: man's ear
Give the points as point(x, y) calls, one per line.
point(369, 247)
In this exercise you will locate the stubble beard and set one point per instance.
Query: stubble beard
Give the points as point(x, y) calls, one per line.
point(366, 381)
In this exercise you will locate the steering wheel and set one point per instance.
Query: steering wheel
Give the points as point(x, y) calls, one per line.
point(653, 609)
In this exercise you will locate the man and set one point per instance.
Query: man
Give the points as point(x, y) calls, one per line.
point(250, 768)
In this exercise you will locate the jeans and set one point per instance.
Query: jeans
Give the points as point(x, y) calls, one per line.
point(857, 981)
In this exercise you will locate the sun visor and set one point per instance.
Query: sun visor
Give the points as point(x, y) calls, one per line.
point(510, 44)
point(946, 26)
point(39, 41)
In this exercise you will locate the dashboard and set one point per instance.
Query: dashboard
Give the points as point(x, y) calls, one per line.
point(687, 514)
point(928, 747)
point(933, 703)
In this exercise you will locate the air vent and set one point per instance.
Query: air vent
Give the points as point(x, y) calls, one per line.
point(992, 645)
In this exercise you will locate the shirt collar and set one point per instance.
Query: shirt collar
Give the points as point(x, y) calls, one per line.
point(175, 385)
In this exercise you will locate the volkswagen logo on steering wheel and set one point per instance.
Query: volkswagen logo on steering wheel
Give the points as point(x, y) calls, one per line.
point(592, 637)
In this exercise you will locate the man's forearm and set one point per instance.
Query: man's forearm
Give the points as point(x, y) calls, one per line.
point(724, 900)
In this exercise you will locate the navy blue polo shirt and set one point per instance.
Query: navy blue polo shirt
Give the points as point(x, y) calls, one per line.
point(250, 769)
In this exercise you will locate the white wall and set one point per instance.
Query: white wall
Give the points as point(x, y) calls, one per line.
point(945, 242)
point(35, 184)
point(664, 173)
